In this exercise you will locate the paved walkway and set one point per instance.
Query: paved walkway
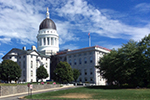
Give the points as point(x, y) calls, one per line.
point(15, 96)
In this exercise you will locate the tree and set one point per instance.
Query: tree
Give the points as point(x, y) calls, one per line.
point(63, 72)
point(9, 70)
point(120, 66)
point(41, 73)
point(76, 74)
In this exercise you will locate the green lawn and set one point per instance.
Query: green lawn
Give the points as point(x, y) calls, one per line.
point(99, 93)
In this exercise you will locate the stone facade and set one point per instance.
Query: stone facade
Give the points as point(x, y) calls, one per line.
point(7, 90)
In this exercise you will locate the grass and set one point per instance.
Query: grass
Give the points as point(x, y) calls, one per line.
point(99, 93)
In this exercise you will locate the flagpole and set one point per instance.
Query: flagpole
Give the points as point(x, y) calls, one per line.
point(89, 39)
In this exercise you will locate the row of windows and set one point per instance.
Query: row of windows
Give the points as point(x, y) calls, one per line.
point(47, 32)
point(46, 65)
point(75, 55)
point(86, 80)
point(86, 72)
point(80, 61)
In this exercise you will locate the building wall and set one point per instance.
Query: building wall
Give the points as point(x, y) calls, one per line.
point(85, 61)
point(29, 64)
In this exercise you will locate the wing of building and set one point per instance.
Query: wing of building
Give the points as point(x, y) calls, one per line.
point(48, 54)
point(85, 60)
point(29, 61)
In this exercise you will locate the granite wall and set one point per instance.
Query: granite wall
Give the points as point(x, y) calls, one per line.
point(7, 90)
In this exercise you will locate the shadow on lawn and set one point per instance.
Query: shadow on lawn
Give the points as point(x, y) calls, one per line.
point(109, 87)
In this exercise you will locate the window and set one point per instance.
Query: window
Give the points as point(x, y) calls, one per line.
point(31, 64)
point(46, 65)
point(85, 79)
point(31, 73)
point(48, 42)
point(44, 41)
point(75, 62)
point(90, 53)
point(85, 60)
point(80, 80)
point(91, 72)
point(69, 56)
point(70, 61)
point(85, 72)
point(80, 72)
point(47, 31)
point(80, 61)
point(19, 63)
point(31, 56)
point(36, 63)
point(24, 73)
point(55, 41)
point(79, 54)
point(74, 55)
point(91, 79)
point(84, 53)
point(40, 41)
point(91, 59)
point(24, 64)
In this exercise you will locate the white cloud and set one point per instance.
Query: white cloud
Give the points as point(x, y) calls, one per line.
point(143, 7)
point(89, 19)
point(20, 19)
point(5, 40)
point(70, 46)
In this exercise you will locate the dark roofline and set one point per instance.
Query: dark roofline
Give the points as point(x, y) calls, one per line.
point(64, 52)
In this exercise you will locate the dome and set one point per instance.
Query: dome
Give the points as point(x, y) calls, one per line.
point(47, 24)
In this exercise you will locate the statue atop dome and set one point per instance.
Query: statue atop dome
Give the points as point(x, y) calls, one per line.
point(47, 13)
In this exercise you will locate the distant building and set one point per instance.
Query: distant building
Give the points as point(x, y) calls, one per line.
point(48, 54)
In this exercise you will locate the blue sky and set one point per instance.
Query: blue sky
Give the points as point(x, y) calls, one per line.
point(110, 22)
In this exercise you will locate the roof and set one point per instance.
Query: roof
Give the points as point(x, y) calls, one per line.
point(64, 52)
point(47, 23)
point(22, 52)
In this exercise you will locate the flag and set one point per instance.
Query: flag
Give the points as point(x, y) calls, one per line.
point(89, 35)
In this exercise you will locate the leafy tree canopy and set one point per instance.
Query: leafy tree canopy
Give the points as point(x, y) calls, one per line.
point(63, 72)
point(76, 74)
point(128, 65)
point(41, 73)
point(9, 70)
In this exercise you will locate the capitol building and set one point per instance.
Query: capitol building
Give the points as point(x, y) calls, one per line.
point(47, 53)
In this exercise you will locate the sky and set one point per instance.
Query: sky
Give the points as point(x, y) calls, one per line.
point(110, 23)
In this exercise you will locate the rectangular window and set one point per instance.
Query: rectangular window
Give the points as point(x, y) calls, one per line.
point(24, 73)
point(24, 64)
point(48, 41)
point(44, 41)
point(31, 64)
point(31, 73)
point(85, 72)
